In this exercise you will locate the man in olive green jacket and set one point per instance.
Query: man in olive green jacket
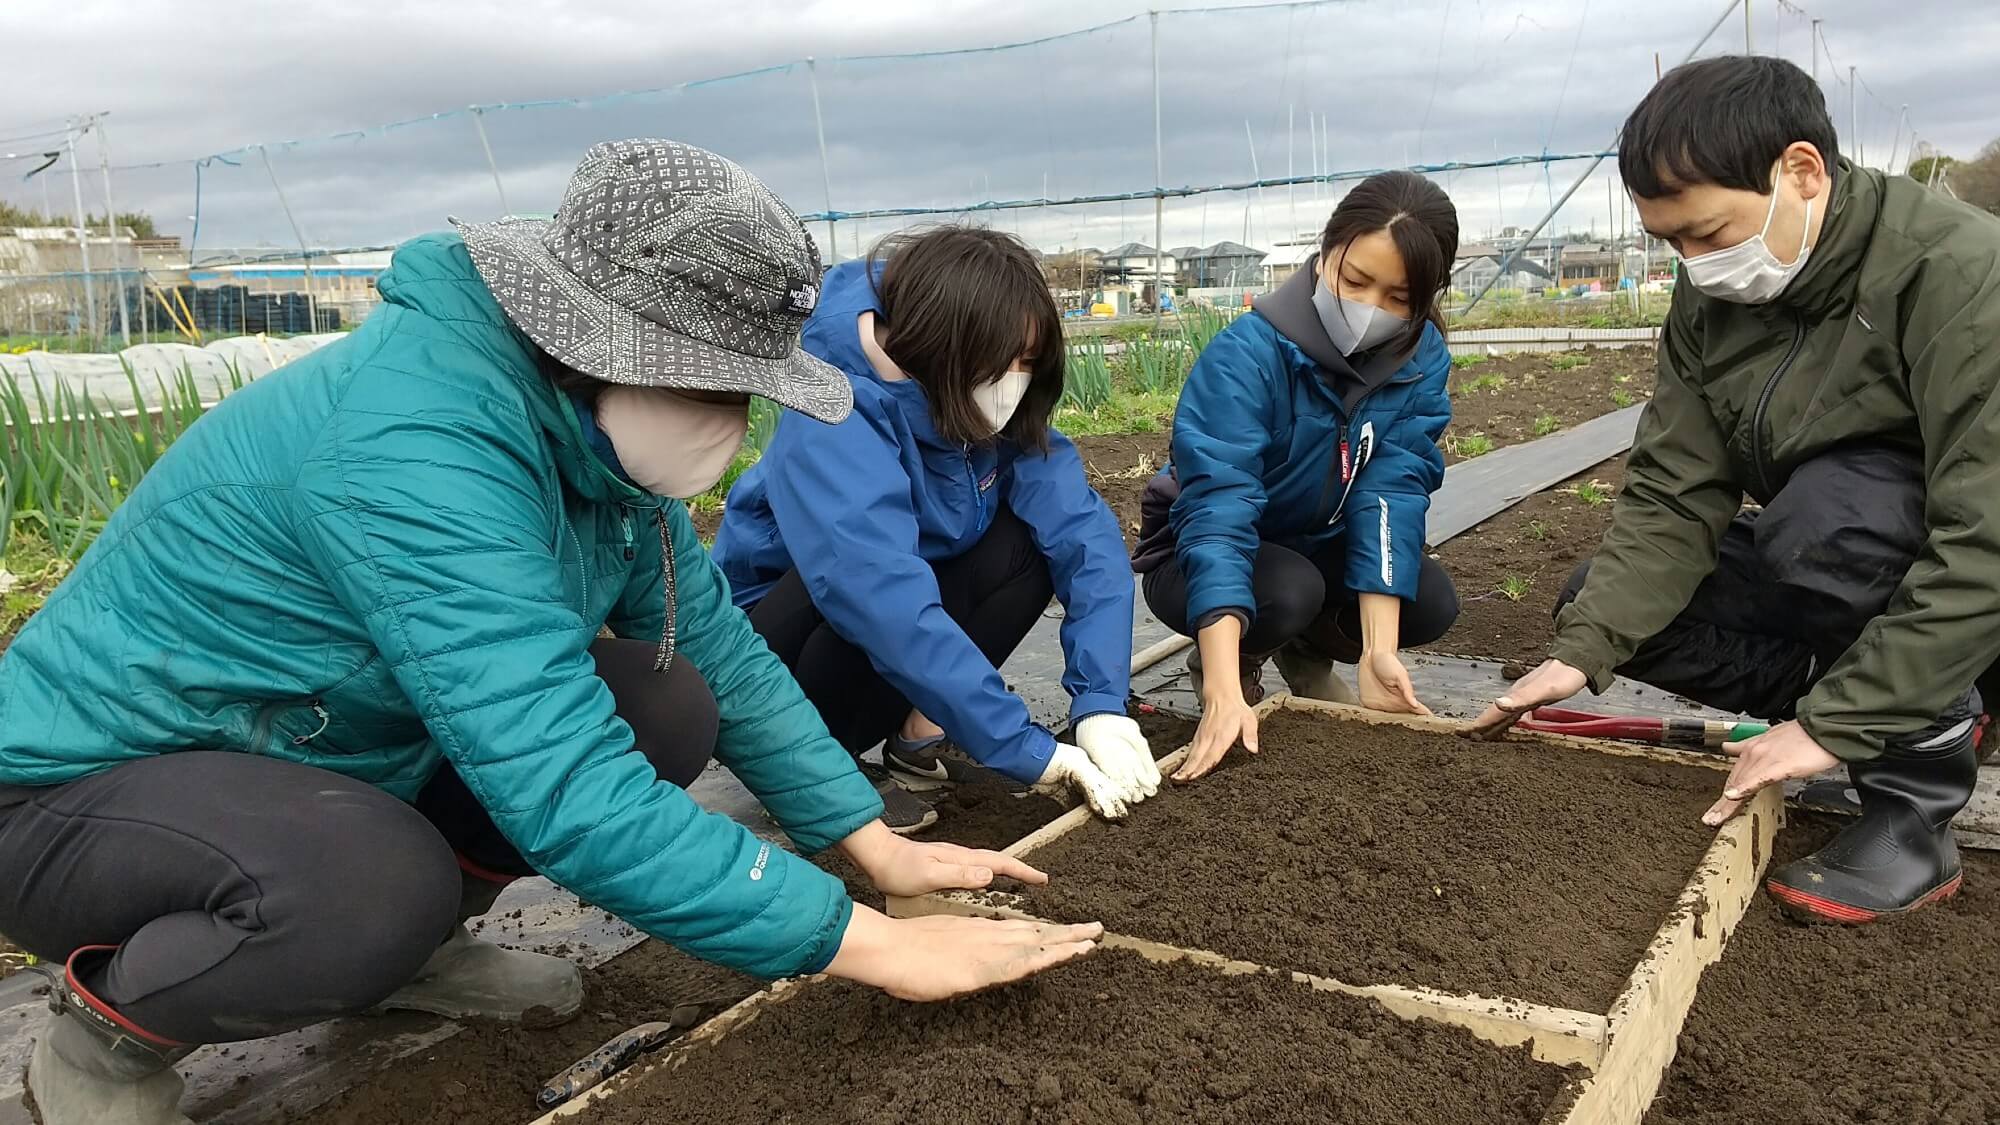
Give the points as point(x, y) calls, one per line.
point(1831, 353)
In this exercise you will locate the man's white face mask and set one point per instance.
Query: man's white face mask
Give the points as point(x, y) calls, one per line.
point(1748, 273)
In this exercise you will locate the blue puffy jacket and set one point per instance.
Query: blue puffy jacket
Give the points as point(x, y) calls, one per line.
point(1272, 445)
point(863, 508)
point(396, 552)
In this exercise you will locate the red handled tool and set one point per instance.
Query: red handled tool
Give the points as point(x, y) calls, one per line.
point(1683, 734)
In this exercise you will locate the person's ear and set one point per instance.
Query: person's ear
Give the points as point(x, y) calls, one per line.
point(1807, 169)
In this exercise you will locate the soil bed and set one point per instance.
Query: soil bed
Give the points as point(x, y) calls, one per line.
point(488, 1075)
point(1510, 569)
point(1111, 1039)
point(1520, 396)
point(1831, 1025)
point(1380, 855)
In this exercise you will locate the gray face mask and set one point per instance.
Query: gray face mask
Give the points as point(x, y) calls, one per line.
point(1354, 326)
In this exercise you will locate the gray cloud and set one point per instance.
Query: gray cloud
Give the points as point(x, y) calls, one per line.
point(1397, 82)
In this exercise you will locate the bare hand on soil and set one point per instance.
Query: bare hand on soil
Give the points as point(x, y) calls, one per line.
point(941, 956)
point(1553, 682)
point(1224, 723)
point(1785, 752)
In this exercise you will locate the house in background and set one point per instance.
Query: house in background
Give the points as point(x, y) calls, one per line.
point(1284, 261)
point(1591, 266)
point(1478, 265)
point(1223, 265)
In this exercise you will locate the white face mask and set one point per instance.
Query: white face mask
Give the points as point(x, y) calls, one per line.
point(1000, 398)
point(1748, 273)
point(1355, 326)
point(670, 444)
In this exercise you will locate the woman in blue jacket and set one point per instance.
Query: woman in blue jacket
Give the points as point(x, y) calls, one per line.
point(332, 674)
point(894, 560)
point(1290, 521)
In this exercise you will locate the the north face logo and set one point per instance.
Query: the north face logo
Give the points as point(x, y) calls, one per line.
point(804, 299)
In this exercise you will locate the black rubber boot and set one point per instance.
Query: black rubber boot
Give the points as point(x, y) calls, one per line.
point(1900, 855)
point(92, 1065)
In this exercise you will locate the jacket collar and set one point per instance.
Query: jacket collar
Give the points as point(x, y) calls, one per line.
point(1828, 279)
point(1290, 310)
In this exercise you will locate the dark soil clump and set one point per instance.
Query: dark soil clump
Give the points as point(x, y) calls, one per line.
point(1510, 569)
point(1831, 1025)
point(1110, 1039)
point(1118, 467)
point(489, 1075)
point(1379, 855)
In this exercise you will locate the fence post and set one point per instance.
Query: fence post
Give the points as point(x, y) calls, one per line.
point(82, 239)
point(479, 126)
point(825, 173)
point(111, 227)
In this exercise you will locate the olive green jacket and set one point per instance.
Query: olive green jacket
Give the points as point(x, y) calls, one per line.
point(1891, 332)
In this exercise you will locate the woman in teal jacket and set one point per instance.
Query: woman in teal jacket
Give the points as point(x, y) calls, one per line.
point(1290, 522)
point(332, 674)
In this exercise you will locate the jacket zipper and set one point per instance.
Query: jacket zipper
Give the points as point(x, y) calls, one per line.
point(260, 729)
point(972, 478)
point(582, 568)
point(1347, 439)
point(1757, 451)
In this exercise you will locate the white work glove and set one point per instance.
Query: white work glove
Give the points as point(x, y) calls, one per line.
point(1070, 768)
point(1116, 747)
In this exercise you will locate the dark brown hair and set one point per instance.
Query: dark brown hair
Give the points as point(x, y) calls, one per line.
point(960, 305)
point(1419, 217)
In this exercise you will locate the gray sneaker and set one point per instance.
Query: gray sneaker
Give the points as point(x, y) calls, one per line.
point(904, 812)
point(936, 763)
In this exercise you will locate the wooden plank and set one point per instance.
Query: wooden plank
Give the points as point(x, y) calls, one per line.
point(1646, 1020)
point(1476, 490)
point(722, 1023)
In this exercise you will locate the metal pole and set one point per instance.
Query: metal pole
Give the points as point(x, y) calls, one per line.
point(1749, 48)
point(1813, 35)
point(1291, 190)
point(479, 126)
point(1263, 203)
point(111, 223)
point(825, 172)
point(1587, 173)
point(1853, 118)
point(82, 239)
point(312, 307)
point(1159, 192)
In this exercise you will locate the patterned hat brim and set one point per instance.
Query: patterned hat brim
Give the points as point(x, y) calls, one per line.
point(588, 331)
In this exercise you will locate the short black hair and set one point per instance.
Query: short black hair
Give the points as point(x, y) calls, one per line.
point(1722, 121)
point(962, 303)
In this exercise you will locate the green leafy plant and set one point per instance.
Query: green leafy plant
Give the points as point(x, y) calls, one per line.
point(1469, 359)
point(1593, 492)
point(1537, 530)
point(1158, 366)
point(1546, 425)
point(1087, 376)
point(1200, 324)
point(1568, 361)
point(67, 461)
point(1473, 445)
point(1489, 382)
point(1514, 587)
point(1621, 398)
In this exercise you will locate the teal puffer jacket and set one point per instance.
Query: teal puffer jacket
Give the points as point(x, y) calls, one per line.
point(396, 552)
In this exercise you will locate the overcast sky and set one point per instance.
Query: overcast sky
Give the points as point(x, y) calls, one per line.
point(1398, 81)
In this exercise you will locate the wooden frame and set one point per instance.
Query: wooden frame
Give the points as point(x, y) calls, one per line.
point(1627, 1049)
point(1625, 1052)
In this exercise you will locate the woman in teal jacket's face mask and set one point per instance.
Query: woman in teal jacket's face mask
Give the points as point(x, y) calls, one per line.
point(332, 676)
point(1290, 523)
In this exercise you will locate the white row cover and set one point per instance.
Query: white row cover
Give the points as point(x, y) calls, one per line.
point(102, 375)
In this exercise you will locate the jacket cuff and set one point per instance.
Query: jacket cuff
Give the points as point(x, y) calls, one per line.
point(1583, 648)
point(1215, 615)
point(853, 792)
point(1839, 739)
point(832, 933)
point(1027, 758)
point(1094, 703)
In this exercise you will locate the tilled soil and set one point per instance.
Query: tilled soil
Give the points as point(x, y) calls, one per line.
point(1519, 396)
point(1111, 1039)
point(1379, 855)
point(1828, 1025)
point(489, 1075)
point(1118, 467)
point(1510, 569)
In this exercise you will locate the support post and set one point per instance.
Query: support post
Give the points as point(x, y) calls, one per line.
point(82, 237)
point(1159, 193)
point(111, 225)
point(479, 126)
point(1749, 47)
point(1508, 261)
point(1854, 118)
point(1814, 36)
point(825, 172)
point(312, 305)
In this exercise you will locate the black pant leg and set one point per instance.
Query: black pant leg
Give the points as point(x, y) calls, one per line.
point(1289, 590)
point(1793, 586)
point(674, 721)
point(242, 896)
point(1425, 618)
point(995, 592)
